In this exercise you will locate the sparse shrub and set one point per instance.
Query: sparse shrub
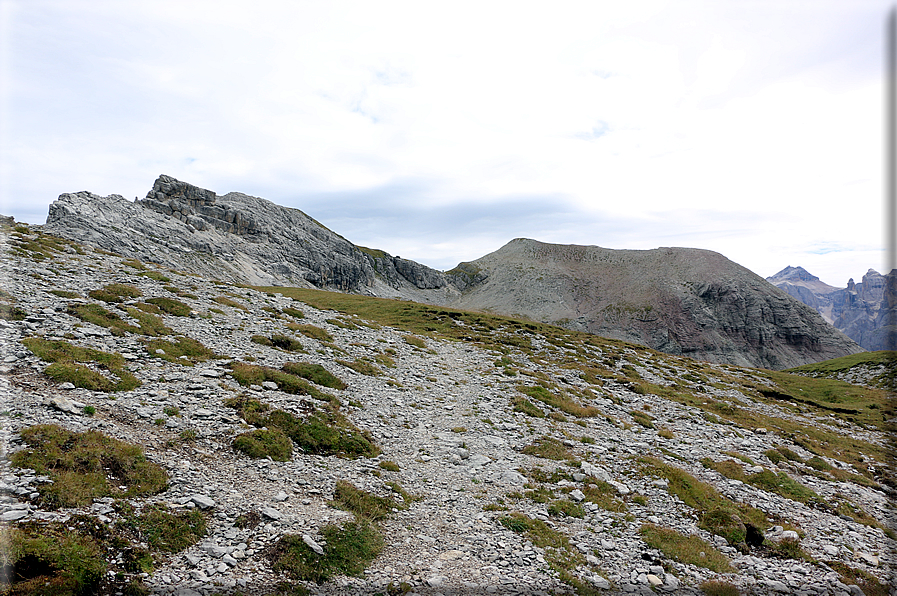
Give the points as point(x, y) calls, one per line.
point(89, 410)
point(188, 435)
point(56, 560)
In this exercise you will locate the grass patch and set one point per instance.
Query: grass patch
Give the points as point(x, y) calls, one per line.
point(225, 301)
point(183, 350)
point(99, 316)
point(389, 466)
point(719, 588)
point(717, 514)
point(559, 400)
point(548, 448)
point(293, 312)
point(604, 495)
point(64, 293)
point(171, 306)
point(836, 366)
point(666, 433)
point(415, 341)
point(348, 497)
point(264, 443)
point(51, 559)
point(314, 373)
point(779, 483)
point(168, 532)
point(521, 404)
point(155, 275)
point(254, 374)
point(313, 332)
point(86, 465)
point(278, 340)
point(115, 293)
point(12, 313)
point(642, 418)
point(362, 366)
point(349, 550)
point(690, 550)
point(867, 582)
point(65, 358)
point(566, 507)
point(324, 432)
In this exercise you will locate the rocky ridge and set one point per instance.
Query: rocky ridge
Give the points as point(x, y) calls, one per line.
point(443, 412)
point(678, 300)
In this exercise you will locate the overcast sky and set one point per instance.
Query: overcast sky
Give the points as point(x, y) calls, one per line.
point(439, 131)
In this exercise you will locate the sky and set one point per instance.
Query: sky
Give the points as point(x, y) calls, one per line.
point(439, 131)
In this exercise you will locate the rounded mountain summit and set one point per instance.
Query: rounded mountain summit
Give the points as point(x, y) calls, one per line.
point(683, 301)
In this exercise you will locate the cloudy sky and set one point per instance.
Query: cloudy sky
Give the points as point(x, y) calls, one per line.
point(439, 131)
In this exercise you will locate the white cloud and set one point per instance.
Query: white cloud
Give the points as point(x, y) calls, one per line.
point(752, 129)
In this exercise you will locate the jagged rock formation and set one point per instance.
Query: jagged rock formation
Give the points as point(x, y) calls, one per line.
point(681, 301)
point(864, 311)
point(678, 300)
point(238, 238)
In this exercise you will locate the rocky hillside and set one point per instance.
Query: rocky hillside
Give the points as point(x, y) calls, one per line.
point(681, 301)
point(866, 311)
point(167, 433)
point(678, 300)
point(238, 238)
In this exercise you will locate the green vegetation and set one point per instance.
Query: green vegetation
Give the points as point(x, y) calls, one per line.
point(719, 588)
point(155, 275)
point(148, 324)
point(415, 341)
point(362, 366)
point(65, 358)
point(284, 342)
point(348, 497)
point(324, 432)
point(521, 404)
point(171, 306)
point(264, 443)
point(559, 400)
point(349, 550)
point(313, 332)
point(64, 293)
point(779, 483)
point(831, 368)
point(549, 448)
point(36, 245)
point(225, 301)
point(717, 514)
point(293, 312)
point(389, 466)
point(86, 465)
point(183, 350)
point(51, 559)
point(867, 582)
point(314, 373)
point(254, 374)
point(12, 313)
point(642, 418)
point(690, 550)
point(566, 507)
point(168, 532)
point(115, 293)
point(604, 495)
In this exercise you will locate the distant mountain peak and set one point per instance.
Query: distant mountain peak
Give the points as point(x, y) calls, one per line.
point(790, 273)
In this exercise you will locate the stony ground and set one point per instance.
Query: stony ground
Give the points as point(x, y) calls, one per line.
point(443, 414)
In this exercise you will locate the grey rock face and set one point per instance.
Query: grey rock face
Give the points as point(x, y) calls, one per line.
point(237, 238)
point(864, 311)
point(677, 300)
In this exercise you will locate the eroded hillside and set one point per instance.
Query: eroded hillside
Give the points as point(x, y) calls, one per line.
point(177, 435)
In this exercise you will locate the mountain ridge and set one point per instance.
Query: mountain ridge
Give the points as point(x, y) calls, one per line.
point(246, 239)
